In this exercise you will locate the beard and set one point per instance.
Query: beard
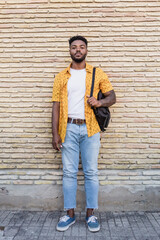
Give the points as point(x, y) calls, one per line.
point(78, 60)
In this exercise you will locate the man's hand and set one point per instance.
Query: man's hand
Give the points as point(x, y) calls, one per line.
point(109, 100)
point(56, 142)
point(93, 102)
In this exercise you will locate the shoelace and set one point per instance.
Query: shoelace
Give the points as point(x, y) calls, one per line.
point(92, 219)
point(64, 218)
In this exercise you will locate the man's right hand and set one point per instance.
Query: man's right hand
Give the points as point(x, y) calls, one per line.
point(56, 142)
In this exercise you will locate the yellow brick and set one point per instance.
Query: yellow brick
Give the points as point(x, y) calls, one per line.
point(8, 177)
point(22, 2)
point(101, 166)
point(149, 161)
point(5, 182)
point(101, 177)
point(29, 177)
point(151, 182)
point(155, 125)
point(51, 177)
point(6, 166)
point(23, 166)
point(25, 182)
point(26, 136)
point(155, 166)
point(43, 182)
point(118, 166)
point(141, 166)
point(129, 173)
point(109, 182)
point(124, 162)
point(140, 177)
point(80, 182)
point(105, 161)
point(54, 166)
point(117, 178)
point(59, 182)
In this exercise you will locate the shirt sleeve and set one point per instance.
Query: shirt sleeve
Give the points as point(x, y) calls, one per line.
point(105, 85)
point(56, 90)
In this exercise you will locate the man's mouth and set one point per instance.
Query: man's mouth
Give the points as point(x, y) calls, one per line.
point(78, 54)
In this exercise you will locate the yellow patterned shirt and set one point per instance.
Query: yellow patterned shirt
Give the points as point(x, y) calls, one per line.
point(60, 94)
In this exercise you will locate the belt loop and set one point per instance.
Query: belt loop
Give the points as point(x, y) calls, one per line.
point(72, 120)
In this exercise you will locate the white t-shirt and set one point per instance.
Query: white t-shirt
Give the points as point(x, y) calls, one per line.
point(76, 92)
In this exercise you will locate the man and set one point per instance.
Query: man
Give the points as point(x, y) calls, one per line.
point(75, 129)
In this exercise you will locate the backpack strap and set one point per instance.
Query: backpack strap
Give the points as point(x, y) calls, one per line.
point(93, 77)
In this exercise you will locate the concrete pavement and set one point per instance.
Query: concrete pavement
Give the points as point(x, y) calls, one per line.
point(40, 225)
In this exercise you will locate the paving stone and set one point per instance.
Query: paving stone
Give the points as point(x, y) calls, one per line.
point(8, 218)
point(3, 215)
point(27, 216)
point(82, 229)
point(20, 238)
point(17, 219)
point(59, 234)
point(41, 225)
point(154, 223)
point(10, 231)
point(44, 232)
point(6, 238)
point(75, 228)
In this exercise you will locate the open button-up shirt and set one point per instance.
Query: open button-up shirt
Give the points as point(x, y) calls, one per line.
point(60, 94)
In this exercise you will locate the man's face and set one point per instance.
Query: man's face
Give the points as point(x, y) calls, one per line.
point(78, 51)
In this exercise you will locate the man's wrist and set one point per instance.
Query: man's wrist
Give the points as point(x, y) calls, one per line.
point(99, 103)
point(54, 133)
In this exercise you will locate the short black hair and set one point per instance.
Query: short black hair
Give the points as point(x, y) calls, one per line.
point(78, 37)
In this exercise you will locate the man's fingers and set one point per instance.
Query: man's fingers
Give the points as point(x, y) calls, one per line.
point(60, 144)
point(56, 146)
point(57, 143)
point(92, 101)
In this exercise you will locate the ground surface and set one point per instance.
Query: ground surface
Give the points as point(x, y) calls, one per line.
point(41, 225)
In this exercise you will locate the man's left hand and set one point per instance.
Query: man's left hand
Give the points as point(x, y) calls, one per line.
point(93, 102)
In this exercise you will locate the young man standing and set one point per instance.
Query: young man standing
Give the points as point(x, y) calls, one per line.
point(75, 129)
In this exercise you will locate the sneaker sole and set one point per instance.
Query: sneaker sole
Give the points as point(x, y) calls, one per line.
point(94, 229)
point(60, 229)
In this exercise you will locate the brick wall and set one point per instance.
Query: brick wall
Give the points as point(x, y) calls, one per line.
point(124, 41)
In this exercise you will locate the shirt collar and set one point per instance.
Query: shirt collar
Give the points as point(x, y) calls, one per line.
point(89, 68)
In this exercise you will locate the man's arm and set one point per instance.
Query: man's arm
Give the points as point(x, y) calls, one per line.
point(56, 140)
point(109, 100)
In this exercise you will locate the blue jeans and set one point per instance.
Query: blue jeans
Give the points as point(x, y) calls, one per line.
point(76, 142)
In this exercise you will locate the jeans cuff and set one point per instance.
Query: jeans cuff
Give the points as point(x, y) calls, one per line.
point(66, 209)
point(92, 208)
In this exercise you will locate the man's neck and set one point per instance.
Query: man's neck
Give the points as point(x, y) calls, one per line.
point(78, 66)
